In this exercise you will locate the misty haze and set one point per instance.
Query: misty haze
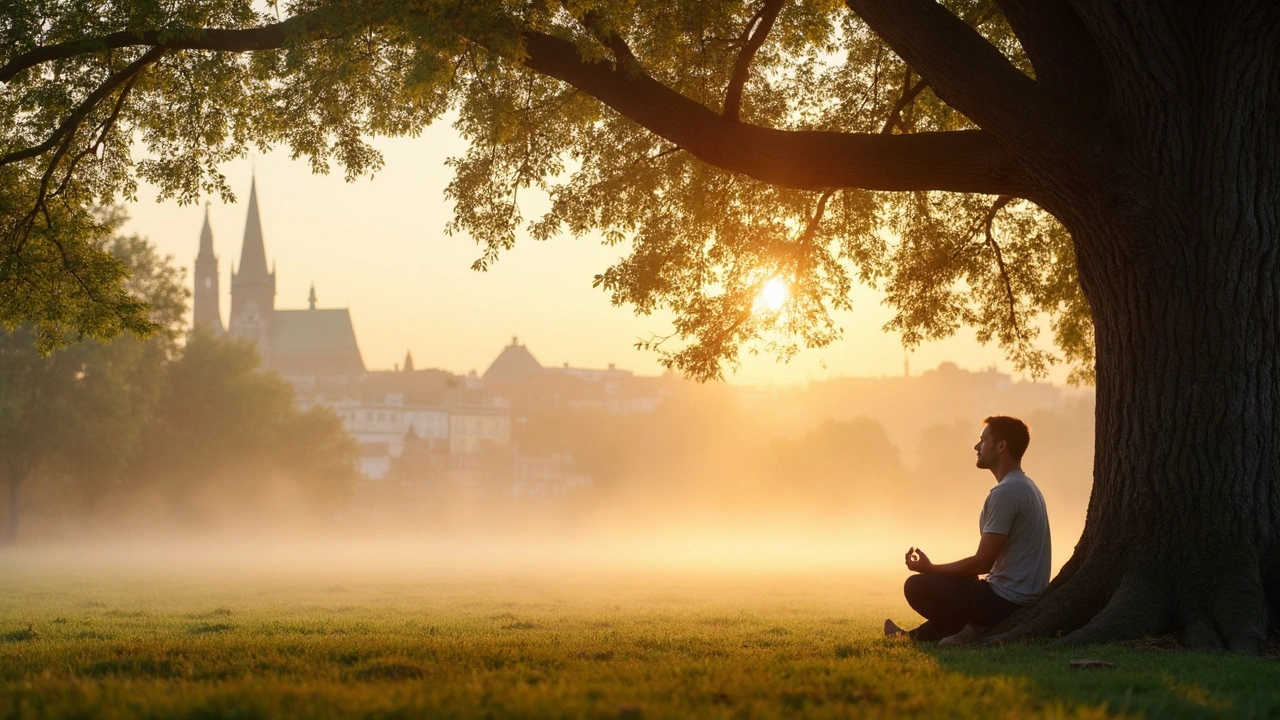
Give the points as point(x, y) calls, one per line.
point(596, 463)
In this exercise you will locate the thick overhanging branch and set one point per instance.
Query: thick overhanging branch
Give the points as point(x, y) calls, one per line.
point(1065, 57)
point(266, 37)
point(962, 161)
point(753, 37)
point(968, 73)
point(910, 92)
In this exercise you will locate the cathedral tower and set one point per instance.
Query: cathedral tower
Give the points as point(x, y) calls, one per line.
point(206, 299)
point(253, 288)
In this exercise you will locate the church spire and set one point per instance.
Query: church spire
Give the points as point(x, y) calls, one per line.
point(253, 255)
point(253, 288)
point(206, 297)
point(206, 239)
point(311, 299)
point(408, 361)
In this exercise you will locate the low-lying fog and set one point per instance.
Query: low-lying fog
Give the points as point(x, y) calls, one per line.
point(842, 476)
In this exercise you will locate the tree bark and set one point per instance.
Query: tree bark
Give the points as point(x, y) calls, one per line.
point(1181, 531)
point(1177, 255)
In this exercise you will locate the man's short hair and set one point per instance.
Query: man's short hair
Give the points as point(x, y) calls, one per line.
point(1011, 430)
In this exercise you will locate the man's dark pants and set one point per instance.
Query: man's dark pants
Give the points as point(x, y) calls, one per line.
point(949, 603)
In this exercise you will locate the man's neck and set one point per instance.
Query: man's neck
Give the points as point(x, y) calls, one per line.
point(1002, 470)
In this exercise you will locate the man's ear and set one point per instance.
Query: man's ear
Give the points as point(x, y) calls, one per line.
point(1002, 447)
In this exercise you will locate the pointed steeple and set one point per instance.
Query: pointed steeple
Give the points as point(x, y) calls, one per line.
point(206, 297)
point(253, 254)
point(408, 361)
point(311, 299)
point(206, 239)
point(253, 289)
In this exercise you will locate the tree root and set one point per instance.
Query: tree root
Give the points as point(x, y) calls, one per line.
point(1227, 603)
point(1136, 609)
point(1240, 609)
point(1069, 601)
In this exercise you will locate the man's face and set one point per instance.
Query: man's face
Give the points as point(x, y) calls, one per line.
point(987, 449)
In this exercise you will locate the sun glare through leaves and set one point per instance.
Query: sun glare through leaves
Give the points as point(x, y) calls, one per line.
point(772, 297)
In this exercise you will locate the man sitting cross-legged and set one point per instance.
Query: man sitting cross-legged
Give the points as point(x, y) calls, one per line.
point(1013, 552)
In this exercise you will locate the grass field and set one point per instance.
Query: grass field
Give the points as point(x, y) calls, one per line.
point(92, 642)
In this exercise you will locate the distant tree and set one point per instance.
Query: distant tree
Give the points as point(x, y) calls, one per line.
point(227, 438)
point(79, 414)
point(837, 467)
point(921, 146)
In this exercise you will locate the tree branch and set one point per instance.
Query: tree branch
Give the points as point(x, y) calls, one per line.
point(77, 116)
point(1066, 59)
point(811, 228)
point(755, 33)
point(999, 203)
point(964, 70)
point(963, 161)
point(621, 51)
point(104, 128)
point(67, 130)
point(267, 37)
point(909, 93)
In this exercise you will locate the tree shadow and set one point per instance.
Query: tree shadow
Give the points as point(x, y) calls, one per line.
point(1149, 681)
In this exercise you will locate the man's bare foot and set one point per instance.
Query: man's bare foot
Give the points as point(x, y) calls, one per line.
point(891, 629)
point(967, 634)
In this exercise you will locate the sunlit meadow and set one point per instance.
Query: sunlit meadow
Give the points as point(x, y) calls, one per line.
point(393, 634)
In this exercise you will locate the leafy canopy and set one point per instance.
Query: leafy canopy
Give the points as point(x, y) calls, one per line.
point(99, 94)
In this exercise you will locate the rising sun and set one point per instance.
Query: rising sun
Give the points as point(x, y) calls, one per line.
point(773, 296)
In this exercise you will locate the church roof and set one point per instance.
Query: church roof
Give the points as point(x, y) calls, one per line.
point(419, 387)
point(514, 363)
point(320, 342)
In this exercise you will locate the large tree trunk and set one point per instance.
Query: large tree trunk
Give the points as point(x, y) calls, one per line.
point(1180, 268)
point(1181, 532)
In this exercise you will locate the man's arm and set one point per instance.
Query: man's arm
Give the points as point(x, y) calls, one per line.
point(979, 563)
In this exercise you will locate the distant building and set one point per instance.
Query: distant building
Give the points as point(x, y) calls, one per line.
point(513, 365)
point(520, 380)
point(307, 347)
point(207, 293)
point(434, 426)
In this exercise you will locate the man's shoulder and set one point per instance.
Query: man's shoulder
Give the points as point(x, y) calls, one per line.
point(1016, 484)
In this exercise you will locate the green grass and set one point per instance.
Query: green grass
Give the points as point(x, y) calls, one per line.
point(115, 645)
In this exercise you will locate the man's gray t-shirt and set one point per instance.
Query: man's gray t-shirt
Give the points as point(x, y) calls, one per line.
point(1015, 508)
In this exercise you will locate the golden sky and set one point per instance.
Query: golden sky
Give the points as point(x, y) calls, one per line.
point(378, 247)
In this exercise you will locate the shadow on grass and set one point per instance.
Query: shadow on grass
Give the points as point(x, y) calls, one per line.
point(1144, 681)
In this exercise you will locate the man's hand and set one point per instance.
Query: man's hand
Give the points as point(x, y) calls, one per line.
point(917, 561)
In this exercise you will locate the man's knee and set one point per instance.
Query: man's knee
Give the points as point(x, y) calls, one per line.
point(915, 588)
